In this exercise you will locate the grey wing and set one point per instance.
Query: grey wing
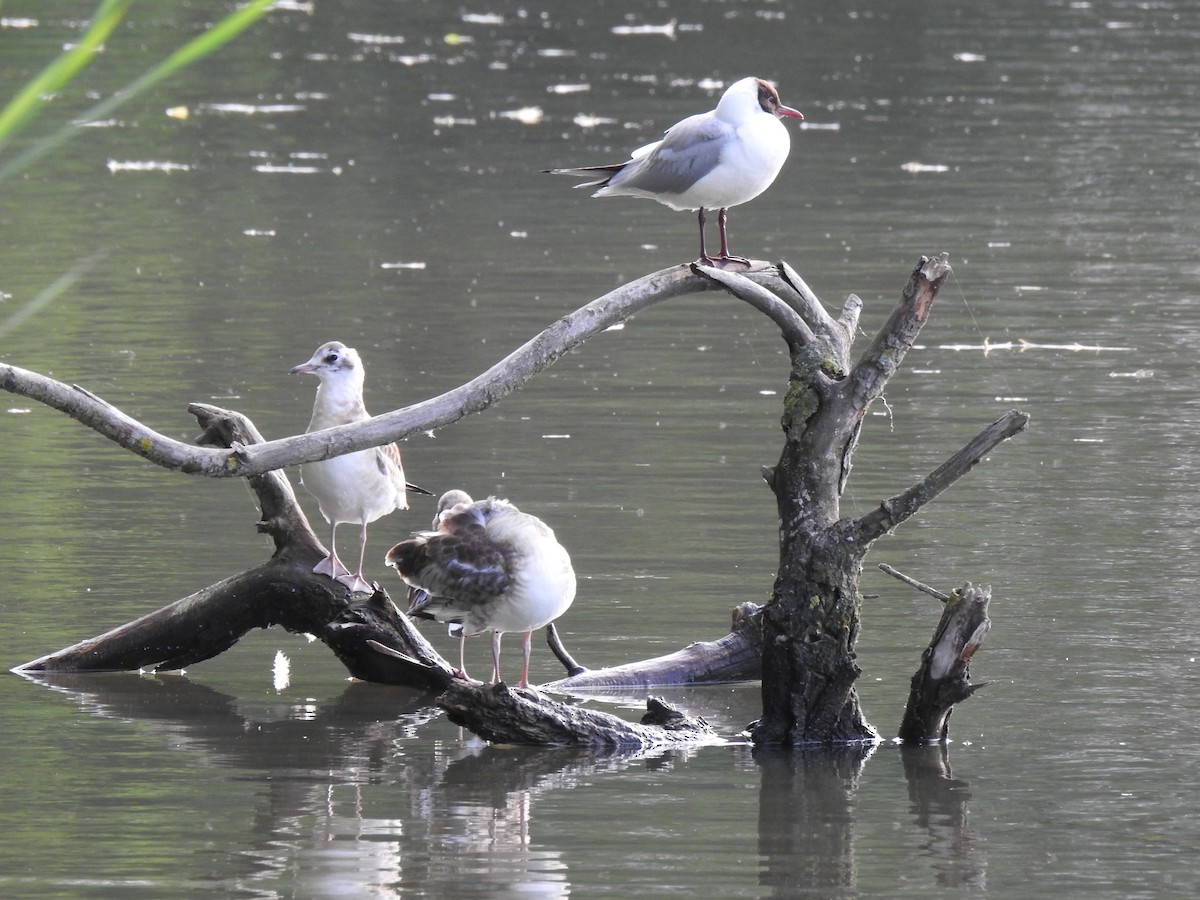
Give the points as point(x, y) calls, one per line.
point(688, 151)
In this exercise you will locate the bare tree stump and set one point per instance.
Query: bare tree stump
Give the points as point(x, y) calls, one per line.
point(944, 677)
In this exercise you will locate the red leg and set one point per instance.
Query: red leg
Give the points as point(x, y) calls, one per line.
point(725, 256)
point(704, 259)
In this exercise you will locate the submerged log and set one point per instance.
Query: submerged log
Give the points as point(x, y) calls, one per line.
point(506, 715)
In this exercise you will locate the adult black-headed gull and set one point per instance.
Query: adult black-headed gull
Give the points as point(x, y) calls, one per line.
point(712, 160)
point(356, 487)
point(486, 566)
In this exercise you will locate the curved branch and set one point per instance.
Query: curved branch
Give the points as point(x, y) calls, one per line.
point(795, 330)
point(499, 381)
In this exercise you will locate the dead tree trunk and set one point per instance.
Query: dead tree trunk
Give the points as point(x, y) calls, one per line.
point(808, 630)
point(810, 627)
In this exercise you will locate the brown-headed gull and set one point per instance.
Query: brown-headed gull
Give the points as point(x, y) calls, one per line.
point(712, 160)
point(486, 566)
point(355, 487)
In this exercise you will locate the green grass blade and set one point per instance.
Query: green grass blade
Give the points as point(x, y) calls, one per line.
point(197, 48)
point(26, 104)
point(47, 296)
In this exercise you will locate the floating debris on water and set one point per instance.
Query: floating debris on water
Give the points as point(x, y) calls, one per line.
point(969, 57)
point(667, 30)
point(286, 169)
point(585, 121)
point(253, 109)
point(483, 18)
point(568, 88)
point(1137, 373)
point(403, 265)
point(526, 115)
point(916, 167)
point(130, 165)
point(375, 38)
point(281, 671)
point(1023, 345)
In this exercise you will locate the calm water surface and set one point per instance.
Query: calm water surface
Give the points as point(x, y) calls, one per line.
point(369, 172)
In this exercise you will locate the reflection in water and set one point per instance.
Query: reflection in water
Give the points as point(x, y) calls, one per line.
point(939, 803)
point(808, 832)
point(463, 811)
point(806, 836)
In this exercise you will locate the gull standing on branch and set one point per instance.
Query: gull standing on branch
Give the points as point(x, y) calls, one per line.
point(712, 160)
point(355, 487)
point(486, 566)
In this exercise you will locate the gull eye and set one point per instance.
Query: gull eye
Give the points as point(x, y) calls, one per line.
point(331, 358)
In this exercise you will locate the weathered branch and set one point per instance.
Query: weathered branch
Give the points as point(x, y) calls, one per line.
point(282, 591)
point(737, 656)
point(895, 510)
point(883, 358)
point(796, 332)
point(521, 716)
point(499, 381)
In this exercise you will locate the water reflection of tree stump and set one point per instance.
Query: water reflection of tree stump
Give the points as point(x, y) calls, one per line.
point(803, 639)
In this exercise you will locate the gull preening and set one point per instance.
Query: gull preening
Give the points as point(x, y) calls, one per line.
point(486, 566)
point(712, 160)
point(355, 487)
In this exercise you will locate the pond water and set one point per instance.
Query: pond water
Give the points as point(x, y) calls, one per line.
point(370, 172)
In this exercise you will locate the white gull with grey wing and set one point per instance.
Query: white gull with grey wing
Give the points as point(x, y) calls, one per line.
point(712, 160)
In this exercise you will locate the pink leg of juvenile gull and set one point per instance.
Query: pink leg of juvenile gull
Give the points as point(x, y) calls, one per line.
point(331, 565)
point(355, 581)
point(496, 635)
point(525, 667)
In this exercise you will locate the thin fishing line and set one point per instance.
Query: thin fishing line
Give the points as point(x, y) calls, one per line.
point(962, 296)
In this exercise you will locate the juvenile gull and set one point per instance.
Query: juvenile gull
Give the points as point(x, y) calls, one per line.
point(356, 487)
point(486, 566)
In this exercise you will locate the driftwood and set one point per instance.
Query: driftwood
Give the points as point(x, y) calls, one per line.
point(735, 657)
point(521, 716)
point(372, 638)
point(806, 633)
